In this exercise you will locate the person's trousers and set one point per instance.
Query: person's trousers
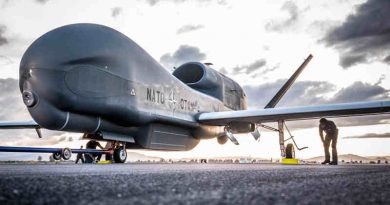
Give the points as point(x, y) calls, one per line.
point(80, 158)
point(331, 140)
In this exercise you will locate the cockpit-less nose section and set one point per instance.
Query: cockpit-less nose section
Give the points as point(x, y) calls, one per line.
point(92, 79)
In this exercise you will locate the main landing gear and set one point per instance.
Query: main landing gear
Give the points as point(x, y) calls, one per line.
point(286, 152)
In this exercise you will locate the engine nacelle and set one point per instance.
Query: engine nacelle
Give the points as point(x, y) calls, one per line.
point(204, 79)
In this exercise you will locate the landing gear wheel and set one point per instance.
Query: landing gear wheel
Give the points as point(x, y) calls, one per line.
point(66, 153)
point(120, 155)
point(290, 153)
point(57, 156)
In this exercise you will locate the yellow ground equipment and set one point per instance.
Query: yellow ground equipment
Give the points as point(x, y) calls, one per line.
point(290, 161)
point(105, 162)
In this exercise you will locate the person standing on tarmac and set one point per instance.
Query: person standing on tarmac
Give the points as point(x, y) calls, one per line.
point(93, 144)
point(332, 133)
point(80, 156)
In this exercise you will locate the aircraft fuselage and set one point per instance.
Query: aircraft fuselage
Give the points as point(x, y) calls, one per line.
point(92, 79)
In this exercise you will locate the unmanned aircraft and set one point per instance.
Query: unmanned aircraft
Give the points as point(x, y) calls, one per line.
point(92, 79)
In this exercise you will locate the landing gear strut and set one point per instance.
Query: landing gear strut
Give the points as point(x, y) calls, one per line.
point(281, 138)
point(286, 152)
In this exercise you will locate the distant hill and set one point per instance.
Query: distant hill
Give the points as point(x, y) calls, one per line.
point(379, 158)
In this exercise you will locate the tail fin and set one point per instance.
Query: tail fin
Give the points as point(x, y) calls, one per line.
point(288, 84)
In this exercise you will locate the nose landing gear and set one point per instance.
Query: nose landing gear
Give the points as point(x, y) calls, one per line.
point(120, 154)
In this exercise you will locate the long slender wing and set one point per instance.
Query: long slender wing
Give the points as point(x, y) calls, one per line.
point(19, 125)
point(295, 113)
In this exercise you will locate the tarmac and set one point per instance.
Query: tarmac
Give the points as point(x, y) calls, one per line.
point(194, 184)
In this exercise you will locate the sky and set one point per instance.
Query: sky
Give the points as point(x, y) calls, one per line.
point(259, 44)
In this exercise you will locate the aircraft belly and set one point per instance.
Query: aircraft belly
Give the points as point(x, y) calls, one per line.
point(166, 137)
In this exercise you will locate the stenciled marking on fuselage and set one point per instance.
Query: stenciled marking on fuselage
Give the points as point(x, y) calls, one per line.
point(158, 97)
point(188, 105)
point(155, 96)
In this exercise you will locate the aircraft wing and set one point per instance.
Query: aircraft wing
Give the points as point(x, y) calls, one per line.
point(19, 125)
point(294, 113)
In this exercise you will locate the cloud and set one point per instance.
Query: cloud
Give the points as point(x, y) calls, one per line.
point(189, 28)
point(369, 135)
point(223, 71)
point(116, 11)
point(319, 27)
point(42, 1)
point(381, 79)
point(154, 2)
point(306, 93)
point(13, 109)
point(364, 37)
point(3, 39)
point(387, 59)
point(281, 25)
point(270, 69)
point(54, 139)
point(301, 93)
point(222, 2)
point(4, 60)
point(360, 91)
point(265, 71)
point(313, 92)
point(250, 68)
point(348, 61)
point(4, 3)
point(183, 54)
